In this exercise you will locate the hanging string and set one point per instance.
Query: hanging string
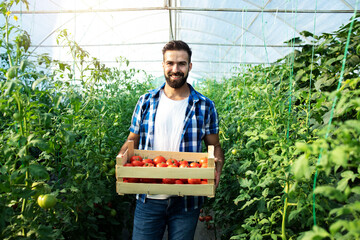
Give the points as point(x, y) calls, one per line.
point(243, 43)
point(333, 108)
point(311, 70)
point(291, 77)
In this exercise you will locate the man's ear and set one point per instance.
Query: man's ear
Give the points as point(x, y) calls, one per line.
point(190, 66)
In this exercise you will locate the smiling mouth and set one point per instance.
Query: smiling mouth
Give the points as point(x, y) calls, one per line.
point(176, 75)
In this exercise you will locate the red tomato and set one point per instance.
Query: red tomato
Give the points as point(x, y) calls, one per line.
point(204, 165)
point(136, 161)
point(148, 180)
point(203, 160)
point(159, 159)
point(178, 181)
point(204, 181)
point(185, 181)
point(132, 180)
point(195, 165)
point(138, 158)
point(172, 165)
point(172, 161)
point(161, 164)
point(183, 165)
point(194, 181)
point(201, 218)
point(183, 162)
point(128, 165)
point(148, 160)
point(168, 181)
point(148, 165)
point(208, 218)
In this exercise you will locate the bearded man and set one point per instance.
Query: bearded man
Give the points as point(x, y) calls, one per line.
point(173, 117)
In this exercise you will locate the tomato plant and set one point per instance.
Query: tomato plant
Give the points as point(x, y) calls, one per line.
point(274, 123)
point(60, 130)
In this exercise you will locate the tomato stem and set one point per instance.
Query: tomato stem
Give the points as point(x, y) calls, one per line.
point(283, 227)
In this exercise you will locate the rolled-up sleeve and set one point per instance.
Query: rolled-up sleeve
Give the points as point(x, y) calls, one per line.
point(136, 117)
point(212, 123)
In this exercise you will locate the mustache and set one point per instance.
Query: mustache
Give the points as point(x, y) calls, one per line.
point(176, 74)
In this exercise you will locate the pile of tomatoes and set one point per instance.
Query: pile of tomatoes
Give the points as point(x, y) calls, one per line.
point(160, 161)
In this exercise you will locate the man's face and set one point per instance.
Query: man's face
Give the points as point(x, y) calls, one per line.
point(176, 67)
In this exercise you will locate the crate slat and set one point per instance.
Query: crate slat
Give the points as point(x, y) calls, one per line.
point(171, 189)
point(156, 172)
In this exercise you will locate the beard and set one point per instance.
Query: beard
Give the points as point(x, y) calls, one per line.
point(178, 83)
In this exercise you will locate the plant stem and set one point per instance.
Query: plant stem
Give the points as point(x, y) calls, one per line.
point(283, 233)
point(7, 40)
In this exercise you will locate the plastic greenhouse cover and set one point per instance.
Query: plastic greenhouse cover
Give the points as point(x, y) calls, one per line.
point(222, 34)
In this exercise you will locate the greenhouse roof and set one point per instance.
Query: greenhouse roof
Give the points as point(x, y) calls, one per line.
point(222, 34)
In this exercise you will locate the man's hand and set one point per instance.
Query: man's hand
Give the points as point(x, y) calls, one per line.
point(213, 139)
point(218, 169)
point(132, 136)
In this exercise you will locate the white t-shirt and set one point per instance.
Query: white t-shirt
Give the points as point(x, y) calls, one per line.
point(169, 124)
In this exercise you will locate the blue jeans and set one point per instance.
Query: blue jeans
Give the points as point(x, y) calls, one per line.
point(152, 217)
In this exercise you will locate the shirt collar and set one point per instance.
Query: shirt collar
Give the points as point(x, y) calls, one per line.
point(194, 96)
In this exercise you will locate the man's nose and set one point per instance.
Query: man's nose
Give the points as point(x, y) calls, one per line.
point(175, 68)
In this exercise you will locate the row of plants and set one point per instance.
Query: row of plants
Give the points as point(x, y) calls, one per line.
point(291, 135)
point(61, 127)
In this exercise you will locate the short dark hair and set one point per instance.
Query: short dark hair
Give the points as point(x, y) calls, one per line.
point(177, 45)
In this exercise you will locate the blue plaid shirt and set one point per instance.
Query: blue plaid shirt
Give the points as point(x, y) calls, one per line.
point(201, 119)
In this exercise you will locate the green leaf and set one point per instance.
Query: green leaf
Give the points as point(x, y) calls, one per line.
point(300, 167)
point(338, 226)
point(38, 172)
point(40, 143)
point(246, 183)
point(263, 221)
point(302, 146)
point(340, 156)
point(330, 192)
point(248, 203)
point(58, 101)
point(10, 85)
point(37, 82)
point(356, 190)
point(350, 208)
point(316, 233)
point(74, 189)
point(342, 184)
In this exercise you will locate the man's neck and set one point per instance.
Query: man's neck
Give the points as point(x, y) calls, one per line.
point(177, 93)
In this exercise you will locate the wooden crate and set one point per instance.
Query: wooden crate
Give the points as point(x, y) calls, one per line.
point(159, 173)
